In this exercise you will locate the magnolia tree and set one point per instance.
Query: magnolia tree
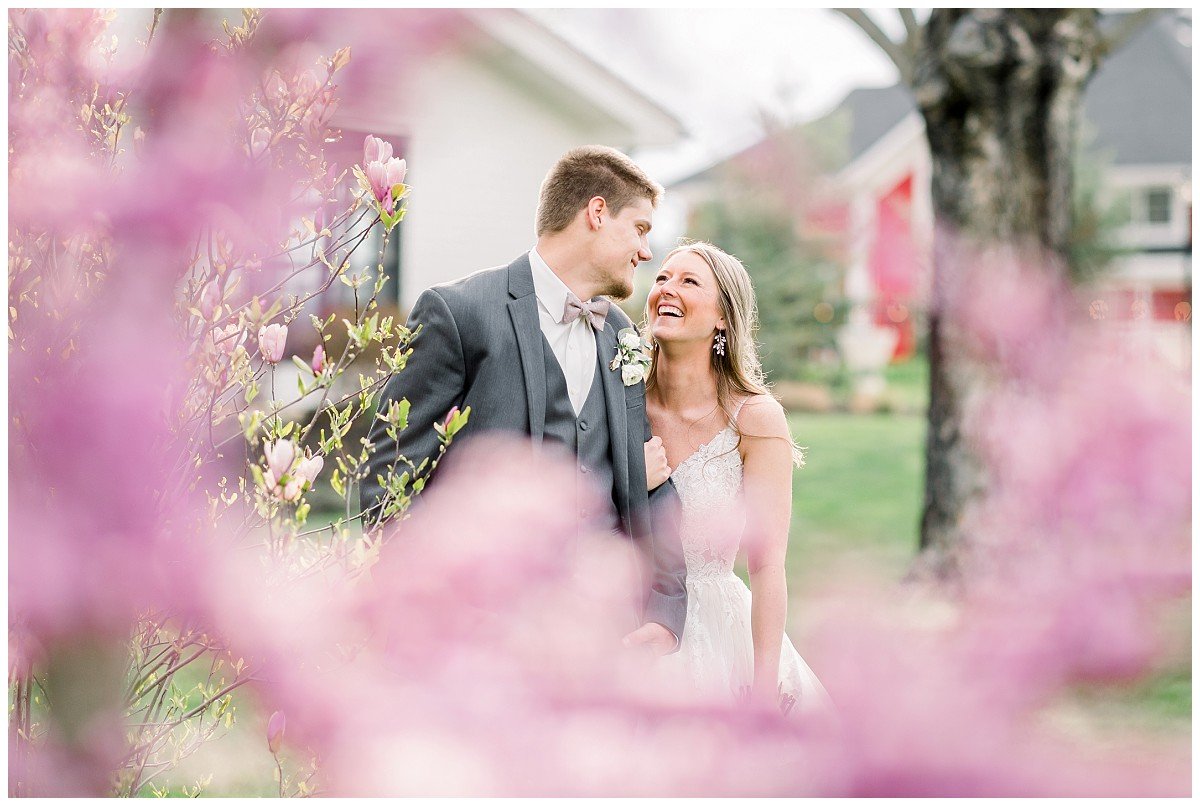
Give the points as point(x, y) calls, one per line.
point(150, 308)
point(165, 563)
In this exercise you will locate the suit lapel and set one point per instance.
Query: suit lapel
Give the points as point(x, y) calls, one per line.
point(618, 428)
point(524, 313)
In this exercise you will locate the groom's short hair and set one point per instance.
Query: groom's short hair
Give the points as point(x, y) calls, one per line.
point(584, 173)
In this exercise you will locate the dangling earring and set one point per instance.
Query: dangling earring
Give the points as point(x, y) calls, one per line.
point(719, 343)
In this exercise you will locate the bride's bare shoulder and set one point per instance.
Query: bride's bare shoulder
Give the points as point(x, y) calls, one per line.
point(762, 416)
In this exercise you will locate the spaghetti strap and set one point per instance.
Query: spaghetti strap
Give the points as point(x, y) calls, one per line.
point(738, 409)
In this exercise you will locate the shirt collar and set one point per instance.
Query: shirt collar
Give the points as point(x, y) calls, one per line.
point(551, 291)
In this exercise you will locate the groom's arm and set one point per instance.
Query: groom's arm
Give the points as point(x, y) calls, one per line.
point(667, 600)
point(433, 382)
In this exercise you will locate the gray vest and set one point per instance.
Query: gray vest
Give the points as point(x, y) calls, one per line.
point(586, 436)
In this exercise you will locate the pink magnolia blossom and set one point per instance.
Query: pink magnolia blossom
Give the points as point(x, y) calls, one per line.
point(271, 340)
point(318, 360)
point(289, 490)
point(396, 171)
point(383, 171)
point(377, 175)
point(281, 479)
point(384, 176)
point(309, 468)
point(376, 150)
point(280, 456)
point(276, 726)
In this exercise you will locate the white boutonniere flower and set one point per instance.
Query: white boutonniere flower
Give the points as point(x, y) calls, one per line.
point(633, 356)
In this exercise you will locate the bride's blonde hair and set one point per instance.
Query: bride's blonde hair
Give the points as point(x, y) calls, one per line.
point(739, 372)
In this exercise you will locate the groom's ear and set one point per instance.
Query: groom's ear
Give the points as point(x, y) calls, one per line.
point(596, 212)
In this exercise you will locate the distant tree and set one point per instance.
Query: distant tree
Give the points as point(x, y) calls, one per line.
point(1096, 216)
point(794, 281)
point(1000, 91)
point(757, 213)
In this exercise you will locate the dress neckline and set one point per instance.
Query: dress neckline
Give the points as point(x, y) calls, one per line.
point(701, 449)
point(729, 427)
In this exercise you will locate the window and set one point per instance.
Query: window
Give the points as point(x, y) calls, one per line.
point(1157, 205)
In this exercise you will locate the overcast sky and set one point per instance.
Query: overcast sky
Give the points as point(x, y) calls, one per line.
point(715, 69)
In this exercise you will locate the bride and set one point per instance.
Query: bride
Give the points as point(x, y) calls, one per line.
point(727, 439)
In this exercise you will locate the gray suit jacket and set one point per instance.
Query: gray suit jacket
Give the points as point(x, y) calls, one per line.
point(480, 345)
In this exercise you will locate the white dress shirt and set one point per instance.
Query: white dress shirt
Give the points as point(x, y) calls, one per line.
point(574, 344)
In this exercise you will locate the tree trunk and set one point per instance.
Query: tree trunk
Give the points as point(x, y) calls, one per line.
point(1000, 91)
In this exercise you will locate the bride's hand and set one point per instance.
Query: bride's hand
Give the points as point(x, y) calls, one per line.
point(657, 470)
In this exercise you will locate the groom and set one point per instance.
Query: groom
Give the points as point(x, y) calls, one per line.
point(528, 347)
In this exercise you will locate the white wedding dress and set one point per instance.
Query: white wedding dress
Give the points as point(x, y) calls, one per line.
point(717, 650)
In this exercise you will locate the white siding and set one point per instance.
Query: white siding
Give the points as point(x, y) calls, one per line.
point(480, 147)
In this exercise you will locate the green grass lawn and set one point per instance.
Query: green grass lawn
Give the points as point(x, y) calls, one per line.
point(859, 493)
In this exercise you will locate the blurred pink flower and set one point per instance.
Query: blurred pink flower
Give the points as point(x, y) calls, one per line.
point(228, 338)
point(307, 85)
point(210, 297)
point(259, 140)
point(318, 359)
point(271, 341)
point(276, 726)
point(276, 89)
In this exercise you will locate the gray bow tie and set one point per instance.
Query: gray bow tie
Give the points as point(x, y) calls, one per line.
point(596, 309)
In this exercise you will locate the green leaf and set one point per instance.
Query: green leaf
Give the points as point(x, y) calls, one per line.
point(301, 365)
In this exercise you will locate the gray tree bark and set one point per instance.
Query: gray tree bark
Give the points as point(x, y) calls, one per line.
point(1000, 91)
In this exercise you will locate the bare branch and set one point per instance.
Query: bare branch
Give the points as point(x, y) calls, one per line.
point(1126, 28)
point(899, 53)
point(912, 28)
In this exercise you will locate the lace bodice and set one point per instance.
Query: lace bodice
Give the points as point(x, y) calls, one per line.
point(716, 651)
point(709, 483)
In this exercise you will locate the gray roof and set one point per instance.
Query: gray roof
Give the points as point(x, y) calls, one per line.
point(873, 112)
point(1137, 107)
point(1139, 103)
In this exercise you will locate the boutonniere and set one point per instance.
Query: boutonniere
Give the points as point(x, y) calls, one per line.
point(633, 356)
